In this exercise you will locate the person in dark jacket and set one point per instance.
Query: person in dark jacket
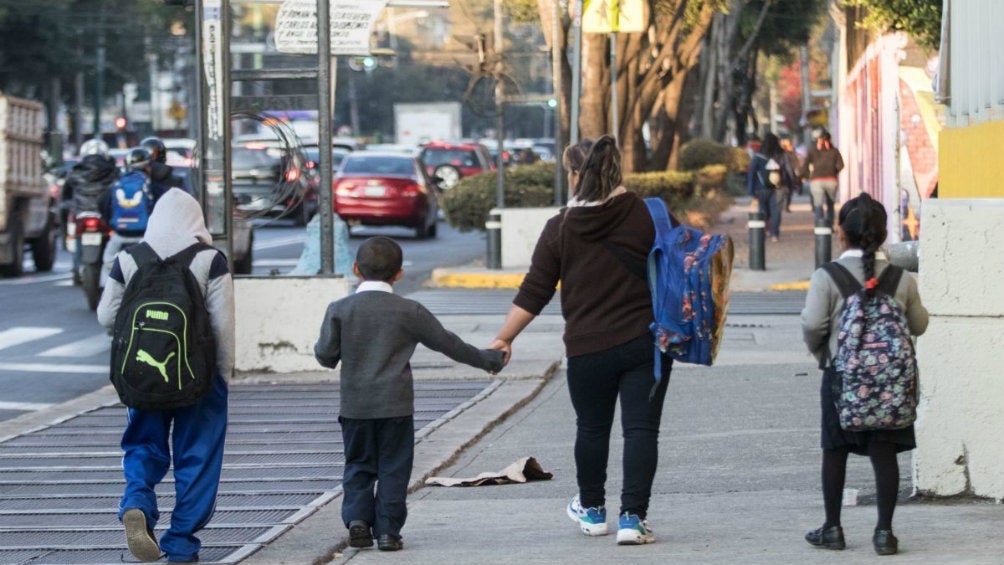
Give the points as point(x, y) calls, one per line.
point(373, 334)
point(768, 177)
point(161, 174)
point(88, 184)
point(611, 353)
point(822, 165)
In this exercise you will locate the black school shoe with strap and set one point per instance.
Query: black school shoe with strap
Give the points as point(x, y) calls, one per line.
point(885, 543)
point(830, 538)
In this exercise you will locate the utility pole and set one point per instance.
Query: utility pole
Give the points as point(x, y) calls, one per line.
point(99, 86)
point(499, 102)
point(573, 136)
point(803, 54)
point(559, 177)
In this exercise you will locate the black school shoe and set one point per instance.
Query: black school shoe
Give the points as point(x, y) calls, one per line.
point(388, 542)
point(885, 543)
point(359, 534)
point(830, 538)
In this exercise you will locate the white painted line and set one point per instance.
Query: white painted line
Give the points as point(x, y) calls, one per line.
point(54, 368)
point(81, 348)
point(17, 336)
point(32, 279)
point(23, 406)
point(276, 262)
point(299, 240)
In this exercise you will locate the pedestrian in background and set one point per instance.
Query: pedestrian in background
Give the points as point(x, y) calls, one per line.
point(862, 231)
point(199, 430)
point(766, 180)
point(794, 165)
point(373, 333)
point(822, 165)
point(611, 353)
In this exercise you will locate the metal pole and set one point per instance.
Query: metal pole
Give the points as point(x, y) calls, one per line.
point(99, 79)
point(494, 251)
point(324, 97)
point(613, 86)
point(559, 176)
point(824, 242)
point(573, 134)
point(756, 227)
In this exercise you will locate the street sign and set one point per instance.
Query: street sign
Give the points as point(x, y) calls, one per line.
point(351, 26)
point(613, 16)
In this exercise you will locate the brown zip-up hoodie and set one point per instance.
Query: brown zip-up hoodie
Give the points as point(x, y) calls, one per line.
point(603, 303)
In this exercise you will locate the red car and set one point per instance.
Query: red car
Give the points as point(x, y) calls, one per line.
point(386, 189)
point(450, 162)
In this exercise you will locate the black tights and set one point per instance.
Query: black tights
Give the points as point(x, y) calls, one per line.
point(886, 467)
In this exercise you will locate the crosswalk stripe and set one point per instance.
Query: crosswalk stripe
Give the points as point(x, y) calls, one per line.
point(54, 368)
point(17, 336)
point(80, 348)
point(23, 406)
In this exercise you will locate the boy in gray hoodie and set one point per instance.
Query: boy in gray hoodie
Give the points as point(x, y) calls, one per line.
point(199, 430)
point(373, 333)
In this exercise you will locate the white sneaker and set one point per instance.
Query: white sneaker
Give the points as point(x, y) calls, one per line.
point(592, 521)
point(632, 530)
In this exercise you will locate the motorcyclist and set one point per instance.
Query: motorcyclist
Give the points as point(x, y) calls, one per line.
point(161, 174)
point(87, 184)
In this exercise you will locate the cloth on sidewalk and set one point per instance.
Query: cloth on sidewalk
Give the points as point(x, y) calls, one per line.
point(523, 470)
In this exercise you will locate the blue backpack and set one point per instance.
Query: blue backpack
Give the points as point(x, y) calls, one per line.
point(131, 203)
point(688, 275)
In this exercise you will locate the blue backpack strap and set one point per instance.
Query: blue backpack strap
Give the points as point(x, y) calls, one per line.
point(663, 226)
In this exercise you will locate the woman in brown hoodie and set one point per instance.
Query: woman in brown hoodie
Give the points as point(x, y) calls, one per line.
point(822, 165)
point(607, 311)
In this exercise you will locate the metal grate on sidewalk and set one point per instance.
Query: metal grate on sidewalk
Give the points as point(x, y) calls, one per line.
point(60, 485)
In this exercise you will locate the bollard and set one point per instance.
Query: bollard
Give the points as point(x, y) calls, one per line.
point(493, 227)
point(824, 236)
point(757, 231)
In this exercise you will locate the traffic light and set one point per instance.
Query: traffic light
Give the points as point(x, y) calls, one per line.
point(121, 123)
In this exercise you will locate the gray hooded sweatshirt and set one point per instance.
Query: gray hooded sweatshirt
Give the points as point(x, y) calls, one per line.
point(175, 224)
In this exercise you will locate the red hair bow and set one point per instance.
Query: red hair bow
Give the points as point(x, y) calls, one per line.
point(871, 283)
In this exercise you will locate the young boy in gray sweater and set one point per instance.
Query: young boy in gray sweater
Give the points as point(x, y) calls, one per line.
point(373, 333)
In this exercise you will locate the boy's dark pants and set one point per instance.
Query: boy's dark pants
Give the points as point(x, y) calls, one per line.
point(377, 451)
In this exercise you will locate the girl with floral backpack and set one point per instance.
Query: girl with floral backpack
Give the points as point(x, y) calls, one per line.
point(825, 327)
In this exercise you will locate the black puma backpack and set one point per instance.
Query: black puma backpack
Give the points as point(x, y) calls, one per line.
point(163, 347)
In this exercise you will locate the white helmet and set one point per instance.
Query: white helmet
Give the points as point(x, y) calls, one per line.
point(94, 147)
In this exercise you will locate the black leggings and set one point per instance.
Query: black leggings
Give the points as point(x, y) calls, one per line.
point(886, 467)
point(595, 381)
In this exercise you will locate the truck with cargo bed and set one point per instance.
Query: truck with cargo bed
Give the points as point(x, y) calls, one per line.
point(28, 211)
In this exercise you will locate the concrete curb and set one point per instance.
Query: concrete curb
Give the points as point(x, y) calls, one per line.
point(434, 451)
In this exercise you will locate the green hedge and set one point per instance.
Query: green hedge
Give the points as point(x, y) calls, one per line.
point(699, 153)
point(467, 204)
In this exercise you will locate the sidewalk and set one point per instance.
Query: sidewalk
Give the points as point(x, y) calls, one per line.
point(789, 262)
point(738, 480)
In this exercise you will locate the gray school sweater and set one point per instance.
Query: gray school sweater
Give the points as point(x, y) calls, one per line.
point(374, 334)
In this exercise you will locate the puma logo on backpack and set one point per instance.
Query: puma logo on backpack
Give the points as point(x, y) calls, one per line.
point(875, 357)
point(163, 349)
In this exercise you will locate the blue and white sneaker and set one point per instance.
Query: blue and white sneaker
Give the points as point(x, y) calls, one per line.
point(632, 530)
point(592, 521)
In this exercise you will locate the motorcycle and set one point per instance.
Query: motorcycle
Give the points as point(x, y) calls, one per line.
point(91, 233)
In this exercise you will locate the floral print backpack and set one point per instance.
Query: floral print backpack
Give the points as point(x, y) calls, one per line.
point(875, 357)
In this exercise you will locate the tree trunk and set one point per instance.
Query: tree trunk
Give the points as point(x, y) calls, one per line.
point(594, 104)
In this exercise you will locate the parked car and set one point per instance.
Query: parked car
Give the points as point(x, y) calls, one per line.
point(182, 147)
point(386, 189)
point(269, 181)
point(447, 163)
point(243, 232)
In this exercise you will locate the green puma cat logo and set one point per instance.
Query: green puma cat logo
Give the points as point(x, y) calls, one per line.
point(144, 357)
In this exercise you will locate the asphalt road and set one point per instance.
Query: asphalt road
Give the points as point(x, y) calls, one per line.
point(52, 349)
